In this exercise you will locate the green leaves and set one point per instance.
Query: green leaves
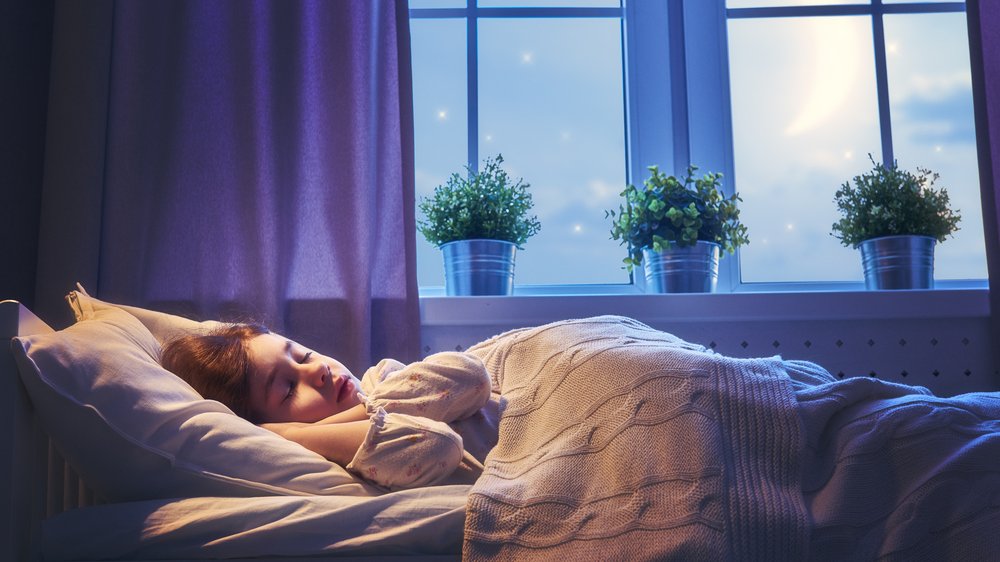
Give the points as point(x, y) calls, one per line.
point(486, 205)
point(888, 202)
point(670, 212)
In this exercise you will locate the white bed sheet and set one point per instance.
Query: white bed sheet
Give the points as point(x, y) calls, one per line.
point(418, 521)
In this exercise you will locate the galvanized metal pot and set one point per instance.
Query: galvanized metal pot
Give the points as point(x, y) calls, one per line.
point(694, 269)
point(478, 267)
point(898, 262)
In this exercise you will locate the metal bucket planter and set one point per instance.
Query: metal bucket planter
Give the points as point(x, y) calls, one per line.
point(694, 269)
point(898, 262)
point(478, 267)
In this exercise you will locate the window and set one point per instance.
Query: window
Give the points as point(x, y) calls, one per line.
point(543, 86)
point(817, 89)
point(786, 97)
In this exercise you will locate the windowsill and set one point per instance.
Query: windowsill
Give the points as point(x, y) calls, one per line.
point(538, 307)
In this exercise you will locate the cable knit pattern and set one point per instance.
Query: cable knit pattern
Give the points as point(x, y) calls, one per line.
point(620, 442)
point(892, 472)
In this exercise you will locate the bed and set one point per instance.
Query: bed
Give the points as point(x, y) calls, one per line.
point(137, 504)
point(616, 442)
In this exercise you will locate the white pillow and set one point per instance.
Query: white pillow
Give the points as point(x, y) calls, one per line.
point(163, 326)
point(135, 431)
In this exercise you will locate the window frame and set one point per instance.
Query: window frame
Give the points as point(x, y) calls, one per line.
point(876, 10)
point(472, 13)
point(694, 123)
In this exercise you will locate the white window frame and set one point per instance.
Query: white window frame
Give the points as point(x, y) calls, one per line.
point(704, 22)
point(675, 117)
point(472, 13)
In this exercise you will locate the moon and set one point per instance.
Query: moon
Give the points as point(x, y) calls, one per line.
point(832, 47)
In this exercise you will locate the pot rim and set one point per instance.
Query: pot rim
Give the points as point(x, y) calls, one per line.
point(490, 240)
point(684, 248)
point(896, 236)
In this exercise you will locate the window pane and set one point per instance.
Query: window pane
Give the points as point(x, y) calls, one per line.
point(550, 3)
point(771, 3)
point(437, 3)
point(805, 118)
point(930, 93)
point(439, 119)
point(551, 101)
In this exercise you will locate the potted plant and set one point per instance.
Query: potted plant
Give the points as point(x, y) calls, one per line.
point(895, 217)
point(479, 220)
point(676, 228)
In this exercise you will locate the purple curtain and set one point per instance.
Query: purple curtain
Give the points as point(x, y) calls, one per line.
point(254, 160)
point(984, 50)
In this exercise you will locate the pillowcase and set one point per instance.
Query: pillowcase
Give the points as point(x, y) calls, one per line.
point(135, 431)
point(163, 326)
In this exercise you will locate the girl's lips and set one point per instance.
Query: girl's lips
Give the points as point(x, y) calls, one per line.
point(346, 388)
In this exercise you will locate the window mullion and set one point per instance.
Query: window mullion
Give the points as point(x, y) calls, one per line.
point(882, 82)
point(649, 90)
point(678, 85)
point(472, 84)
point(709, 111)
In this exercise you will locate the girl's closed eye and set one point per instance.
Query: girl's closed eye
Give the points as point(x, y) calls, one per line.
point(290, 394)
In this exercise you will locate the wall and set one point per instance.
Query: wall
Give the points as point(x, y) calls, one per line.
point(25, 46)
point(937, 339)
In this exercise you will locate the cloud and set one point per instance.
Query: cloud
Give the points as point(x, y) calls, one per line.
point(932, 87)
point(602, 193)
point(426, 182)
point(938, 120)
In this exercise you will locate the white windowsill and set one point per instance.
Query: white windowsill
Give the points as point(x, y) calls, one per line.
point(533, 309)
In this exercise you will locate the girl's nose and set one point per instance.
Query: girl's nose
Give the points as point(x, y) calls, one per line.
point(316, 373)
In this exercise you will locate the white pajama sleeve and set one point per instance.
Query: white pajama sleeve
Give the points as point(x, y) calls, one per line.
point(401, 451)
point(375, 375)
point(447, 386)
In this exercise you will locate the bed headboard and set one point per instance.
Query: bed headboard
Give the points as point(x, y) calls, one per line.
point(35, 482)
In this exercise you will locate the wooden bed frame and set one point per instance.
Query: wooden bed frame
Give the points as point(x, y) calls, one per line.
point(36, 482)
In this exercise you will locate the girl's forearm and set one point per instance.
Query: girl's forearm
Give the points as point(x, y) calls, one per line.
point(337, 442)
point(337, 437)
point(355, 413)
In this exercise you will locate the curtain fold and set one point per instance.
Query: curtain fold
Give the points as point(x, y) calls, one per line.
point(984, 51)
point(257, 164)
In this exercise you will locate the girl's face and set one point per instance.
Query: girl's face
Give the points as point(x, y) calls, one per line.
point(290, 383)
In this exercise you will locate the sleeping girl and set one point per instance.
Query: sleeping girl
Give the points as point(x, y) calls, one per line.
point(391, 427)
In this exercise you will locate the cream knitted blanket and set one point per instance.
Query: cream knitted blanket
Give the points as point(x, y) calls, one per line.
point(620, 442)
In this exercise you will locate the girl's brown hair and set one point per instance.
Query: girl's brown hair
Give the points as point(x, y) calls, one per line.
point(217, 364)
